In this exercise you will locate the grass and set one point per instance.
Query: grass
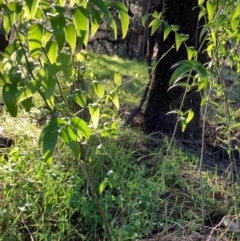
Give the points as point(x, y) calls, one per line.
point(143, 191)
point(133, 72)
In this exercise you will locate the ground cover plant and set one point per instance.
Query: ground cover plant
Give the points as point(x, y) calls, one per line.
point(73, 170)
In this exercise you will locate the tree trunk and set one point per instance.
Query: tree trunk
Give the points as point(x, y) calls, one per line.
point(160, 101)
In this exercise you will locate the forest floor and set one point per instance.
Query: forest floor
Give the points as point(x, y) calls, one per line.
point(149, 193)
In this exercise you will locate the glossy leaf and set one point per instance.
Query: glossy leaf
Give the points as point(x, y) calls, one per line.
point(205, 29)
point(190, 116)
point(236, 12)
point(52, 49)
point(175, 28)
point(32, 86)
point(48, 86)
point(58, 24)
point(62, 2)
point(117, 79)
point(9, 93)
point(71, 37)
point(178, 40)
point(35, 36)
point(211, 6)
point(145, 19)
point(49, 137)
point(101, 5)
point(191, 52)
point(80, 126)
point(157, 14)
point(98, 88)
point(80, 20)
point(124, 17)
point(167, 30)
point(46, 37)
point(102, 186)
point(220, 20)
point(115, 100)
point(154, 24)
point(94, 111)
point(203, 84)
point(69, 137)
point(50, 102)
point(30, 8)
point(79, 98)
point(64, 63)
point(179, 73)
point(9, 17)
point(72, 2)
point(96, 18)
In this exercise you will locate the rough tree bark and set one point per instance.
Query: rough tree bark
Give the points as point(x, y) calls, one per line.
point(160, 101)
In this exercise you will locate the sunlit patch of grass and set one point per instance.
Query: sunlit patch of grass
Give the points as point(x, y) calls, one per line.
point(134, 75)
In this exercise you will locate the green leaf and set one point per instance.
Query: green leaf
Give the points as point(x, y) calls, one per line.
point(183, 123)
point(102, 186)
point(179, 73)
point(98, 88)
point(167, 30)
point(62, 2)
point(220, 20)
point(64, 63)
point(145, 18)
point(236, 13)
point(82, 29)
point(202, 71)
point(211, 6)
point(94, 111)
point(71, 37)
point(202, 13)
point(101, 5)
point(9, 18)
point(117, 79)
point(190, 116)
point(124, 17)
point(157, 14)
point(69, 137)
point(52, 49)
point(115, 100)
point(58, 24)
point(175, 28)
point(181, 84)
point(191, 52)
point(96, 17)
point(205, 29)
point(72, 2)
point(35, 37)
point(80, 127)
point(46, 38)
point(79, 98)
point(155, 24)
point(178, 40)
point(50, 101)
point(32, 86)
point(234, 24)
point(30, 8)
point(49, 137)
point(202, 85)
point(27, 104)
point(9, 93)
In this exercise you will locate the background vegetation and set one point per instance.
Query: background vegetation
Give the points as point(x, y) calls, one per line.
point(75, 170)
